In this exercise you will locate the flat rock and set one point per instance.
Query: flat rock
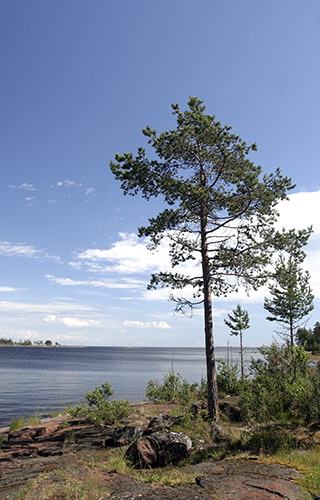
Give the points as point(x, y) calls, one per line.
point(251, 487)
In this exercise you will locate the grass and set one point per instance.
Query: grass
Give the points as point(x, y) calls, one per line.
point(58, 484)
point(17, 424)
point(20, 422)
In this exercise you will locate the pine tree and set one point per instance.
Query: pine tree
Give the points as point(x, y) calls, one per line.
point(219, 211)
point(238, 322)
point(291, 297)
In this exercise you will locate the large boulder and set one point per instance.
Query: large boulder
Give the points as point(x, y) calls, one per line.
point(122, 436)
point(158, 450)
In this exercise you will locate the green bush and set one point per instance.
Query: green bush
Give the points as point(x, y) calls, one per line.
point(98, 409)
point(228, 379)
point(282, 387)
point(173, 388)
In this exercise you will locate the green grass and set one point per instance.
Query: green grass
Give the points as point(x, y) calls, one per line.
point(20, 422)
point(17, 424)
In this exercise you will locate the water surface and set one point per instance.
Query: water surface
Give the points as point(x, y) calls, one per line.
point(41, 379)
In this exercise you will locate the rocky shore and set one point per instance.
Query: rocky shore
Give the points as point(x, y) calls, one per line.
point(38, 460)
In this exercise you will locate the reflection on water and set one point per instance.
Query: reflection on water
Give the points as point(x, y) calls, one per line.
point(44, 379)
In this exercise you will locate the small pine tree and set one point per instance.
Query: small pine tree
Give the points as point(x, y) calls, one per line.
point(238, 322)
point(292, 297)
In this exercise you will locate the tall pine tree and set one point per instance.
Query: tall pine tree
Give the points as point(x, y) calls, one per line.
point(219, 211)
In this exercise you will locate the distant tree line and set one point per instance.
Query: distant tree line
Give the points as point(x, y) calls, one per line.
point(47, 343)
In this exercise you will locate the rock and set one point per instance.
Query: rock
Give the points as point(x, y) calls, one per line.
point(123, 436)
point(252, 487)
point(161, 422)
point(29, 434)
point(159, 450)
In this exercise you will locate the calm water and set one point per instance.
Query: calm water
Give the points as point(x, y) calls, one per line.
point(39, 379)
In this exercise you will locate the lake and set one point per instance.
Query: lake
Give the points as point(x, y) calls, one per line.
point(40, 380)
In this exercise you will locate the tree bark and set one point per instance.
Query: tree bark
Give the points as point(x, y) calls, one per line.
point(208, 327)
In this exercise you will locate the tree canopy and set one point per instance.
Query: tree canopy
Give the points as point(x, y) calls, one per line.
point(220, 212)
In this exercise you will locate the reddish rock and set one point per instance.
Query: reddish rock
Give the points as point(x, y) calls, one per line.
point(28, 434)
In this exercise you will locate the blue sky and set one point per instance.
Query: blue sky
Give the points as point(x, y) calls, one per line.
point(79, 80)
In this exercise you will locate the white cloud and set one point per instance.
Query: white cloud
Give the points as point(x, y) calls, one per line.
point(9, 249)
point(30, 198)
point(72, 322)
point(161, 325)
point(25, 186)
point(18, 249)
point(104, 283)
point(129, 255)
point(9, 289)
point(68, 183)
point(48, 308)
point(90, 190)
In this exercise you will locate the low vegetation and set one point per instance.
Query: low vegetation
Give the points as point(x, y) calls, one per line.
point(20, 422)
point(98, 409)
point(280, 387)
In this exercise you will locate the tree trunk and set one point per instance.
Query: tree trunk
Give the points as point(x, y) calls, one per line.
point(241, 355)
point(291, 332)
point(208, 328)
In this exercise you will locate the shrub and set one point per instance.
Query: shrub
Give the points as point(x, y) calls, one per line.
point(228, 378)
point(98, 409)
point(282, 386)
point(174, 388)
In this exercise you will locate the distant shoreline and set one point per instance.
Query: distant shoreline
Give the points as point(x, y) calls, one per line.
point(47, 346)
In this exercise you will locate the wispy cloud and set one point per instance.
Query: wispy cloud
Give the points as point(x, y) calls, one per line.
point(161, 325)
point(104, 283)
point(68, 183)
point(25, 187)
point(9, 289)
point(72, 322)
point(46, 308)
point(90, 190)
point(9, 249)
